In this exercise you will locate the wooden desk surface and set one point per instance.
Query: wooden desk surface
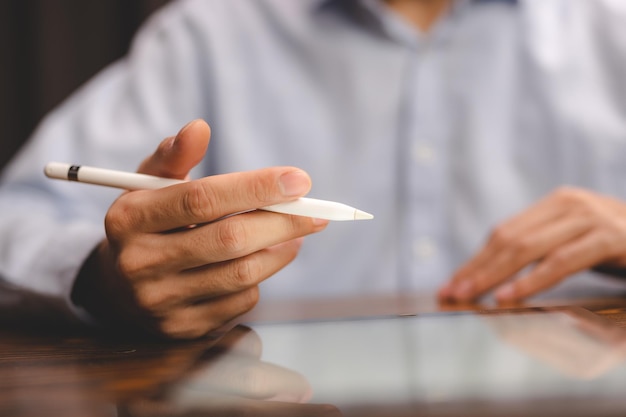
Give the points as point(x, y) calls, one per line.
point(77, 373)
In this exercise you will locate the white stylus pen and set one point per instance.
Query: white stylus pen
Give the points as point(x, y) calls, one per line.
point(310, 207)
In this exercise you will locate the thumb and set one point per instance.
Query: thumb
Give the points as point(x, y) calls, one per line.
point(177, 155)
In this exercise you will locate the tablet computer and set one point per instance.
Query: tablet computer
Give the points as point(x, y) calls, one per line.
point(518, 362)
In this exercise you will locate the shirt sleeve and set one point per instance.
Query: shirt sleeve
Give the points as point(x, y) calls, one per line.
point(49, 227)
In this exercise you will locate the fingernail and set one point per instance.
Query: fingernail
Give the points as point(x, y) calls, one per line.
point(505, 293)
point(171, 143)
point(174, 140)
point(294, 183)
point(181, 131)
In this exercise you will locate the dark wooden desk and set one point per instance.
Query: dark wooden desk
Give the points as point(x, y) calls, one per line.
point(79, 373)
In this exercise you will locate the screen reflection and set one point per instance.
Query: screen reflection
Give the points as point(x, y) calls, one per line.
point(437, 364)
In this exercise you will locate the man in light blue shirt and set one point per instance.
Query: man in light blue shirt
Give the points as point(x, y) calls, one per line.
point(445, 119)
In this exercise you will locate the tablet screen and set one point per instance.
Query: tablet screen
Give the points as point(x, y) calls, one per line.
point(512, 362)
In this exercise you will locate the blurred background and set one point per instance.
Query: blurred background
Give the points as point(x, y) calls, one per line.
point(50, 47)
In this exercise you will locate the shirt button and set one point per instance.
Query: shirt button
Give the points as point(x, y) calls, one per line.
point(423, 153)
point(424, 248)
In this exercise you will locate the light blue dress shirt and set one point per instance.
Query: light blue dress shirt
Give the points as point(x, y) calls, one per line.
point(440, 135)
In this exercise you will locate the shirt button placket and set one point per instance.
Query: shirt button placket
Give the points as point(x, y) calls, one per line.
point(424, 171)
point(424, 248)
point(423, 153)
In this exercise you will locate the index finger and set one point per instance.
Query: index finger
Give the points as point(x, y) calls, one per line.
point(505, 238)
point(210, 198)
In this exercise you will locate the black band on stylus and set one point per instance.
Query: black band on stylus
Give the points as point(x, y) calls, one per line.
point(72, 173)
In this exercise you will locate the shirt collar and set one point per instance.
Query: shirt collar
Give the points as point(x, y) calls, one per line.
point(373, 14)
point(322, 3)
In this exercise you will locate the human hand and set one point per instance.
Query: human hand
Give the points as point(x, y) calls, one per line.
point(568, 231)
point(175, 261)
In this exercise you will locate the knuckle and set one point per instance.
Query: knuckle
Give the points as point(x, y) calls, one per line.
point(231, 236)
point(144, 298)
point(571, 195)
point(130, 264)
point(501, 236)
point(593, 210)
point(153, 298)
point(121, 217)
point(247, 271)
point(200, 201)
point(263, 190)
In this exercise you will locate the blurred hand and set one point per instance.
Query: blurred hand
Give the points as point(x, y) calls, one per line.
point(233, 368)
point(575, 341)
point(569, 231)
point(176, 262)
point(231, 379)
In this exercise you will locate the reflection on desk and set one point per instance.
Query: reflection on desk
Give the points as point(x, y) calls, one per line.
point(520, 362)
point(443, 363)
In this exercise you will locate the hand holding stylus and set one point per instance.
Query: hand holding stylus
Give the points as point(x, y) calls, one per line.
point(303, 206)
point(168, 267)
